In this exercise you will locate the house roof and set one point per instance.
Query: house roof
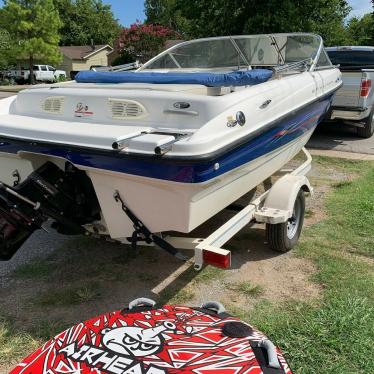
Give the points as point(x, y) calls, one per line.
point(81, 52)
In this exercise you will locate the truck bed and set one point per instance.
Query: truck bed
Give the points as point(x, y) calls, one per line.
point(349, 96)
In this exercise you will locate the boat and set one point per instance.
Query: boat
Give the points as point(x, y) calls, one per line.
point(131, 155)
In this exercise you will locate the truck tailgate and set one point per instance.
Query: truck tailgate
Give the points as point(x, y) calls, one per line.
point(349, 94)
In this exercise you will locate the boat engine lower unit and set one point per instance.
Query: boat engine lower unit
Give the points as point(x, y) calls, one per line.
point(65, 196)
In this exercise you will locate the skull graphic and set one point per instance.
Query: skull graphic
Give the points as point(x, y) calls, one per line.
point(135, 341)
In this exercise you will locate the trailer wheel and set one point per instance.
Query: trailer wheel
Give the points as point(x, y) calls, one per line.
point(368, 130)
point(282, 237)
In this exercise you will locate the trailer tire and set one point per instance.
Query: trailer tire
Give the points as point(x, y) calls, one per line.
point(368, 130)
point(282, 237)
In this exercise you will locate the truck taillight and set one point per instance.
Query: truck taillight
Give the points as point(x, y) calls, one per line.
point(365, 87)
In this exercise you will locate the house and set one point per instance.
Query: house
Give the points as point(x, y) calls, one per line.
point(113, 56)
point(82, 57)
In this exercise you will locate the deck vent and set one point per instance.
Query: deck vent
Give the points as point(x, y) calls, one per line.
point(126, 109)
point(53, 104)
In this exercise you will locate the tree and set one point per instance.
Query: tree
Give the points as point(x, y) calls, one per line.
point(34, 27)
point(167, 13)
point(372, 26)
point(7, 58)
point(5, 47)
point(202, 18)
point(360, 30)
point(329, 21)
point(86, 20)
point(142, 41)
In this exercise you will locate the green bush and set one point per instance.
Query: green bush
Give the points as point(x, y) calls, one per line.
point(5, 82)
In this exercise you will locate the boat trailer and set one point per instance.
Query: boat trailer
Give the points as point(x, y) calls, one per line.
point(278, 207)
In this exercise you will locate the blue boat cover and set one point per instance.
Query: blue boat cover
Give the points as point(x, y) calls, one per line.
point(235, 78)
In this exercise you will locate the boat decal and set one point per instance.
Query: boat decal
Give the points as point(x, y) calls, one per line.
point(82, 110)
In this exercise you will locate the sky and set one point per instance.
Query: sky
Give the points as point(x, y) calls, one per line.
point(127, 11)
point(360, 7)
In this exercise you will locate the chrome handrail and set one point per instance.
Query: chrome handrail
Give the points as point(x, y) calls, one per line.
point(166, 147)
point(293, 65)
point(121, 142)
point(131, 66)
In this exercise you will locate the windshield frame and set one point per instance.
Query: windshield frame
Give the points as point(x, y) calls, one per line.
point(310, 64)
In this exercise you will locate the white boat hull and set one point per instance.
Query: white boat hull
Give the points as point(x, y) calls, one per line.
point(172, 206)
point(163, 205)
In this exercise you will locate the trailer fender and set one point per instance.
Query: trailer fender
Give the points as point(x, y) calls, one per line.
point(279, 203)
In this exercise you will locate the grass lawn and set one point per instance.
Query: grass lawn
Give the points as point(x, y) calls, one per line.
point(333, 333)
point(336, 334)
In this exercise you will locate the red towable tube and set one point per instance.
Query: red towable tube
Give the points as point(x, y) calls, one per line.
point(146, 339)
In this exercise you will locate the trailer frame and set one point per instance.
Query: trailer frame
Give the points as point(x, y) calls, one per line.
point(274, 206)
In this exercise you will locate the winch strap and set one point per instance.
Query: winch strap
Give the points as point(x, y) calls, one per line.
point(142, 231)
point(168, 247)
point(134, 239)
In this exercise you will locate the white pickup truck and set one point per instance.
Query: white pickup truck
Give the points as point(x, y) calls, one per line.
point(354, 102)
point(42, 73)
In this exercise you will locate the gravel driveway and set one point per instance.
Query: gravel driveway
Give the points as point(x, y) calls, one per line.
point(340, 137)
point(39, 245)
point(3, 95)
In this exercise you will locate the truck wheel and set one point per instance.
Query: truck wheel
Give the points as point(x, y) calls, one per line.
point(282, 237)
point(368, 130)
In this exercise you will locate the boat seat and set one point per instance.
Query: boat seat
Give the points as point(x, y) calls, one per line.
point(208, 79)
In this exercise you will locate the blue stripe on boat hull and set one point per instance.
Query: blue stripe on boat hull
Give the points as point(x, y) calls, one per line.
point(283, 132)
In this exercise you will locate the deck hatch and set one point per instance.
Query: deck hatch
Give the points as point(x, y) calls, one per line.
point(126, 109)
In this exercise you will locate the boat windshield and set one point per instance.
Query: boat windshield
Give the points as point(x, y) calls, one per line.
point(238, 52)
